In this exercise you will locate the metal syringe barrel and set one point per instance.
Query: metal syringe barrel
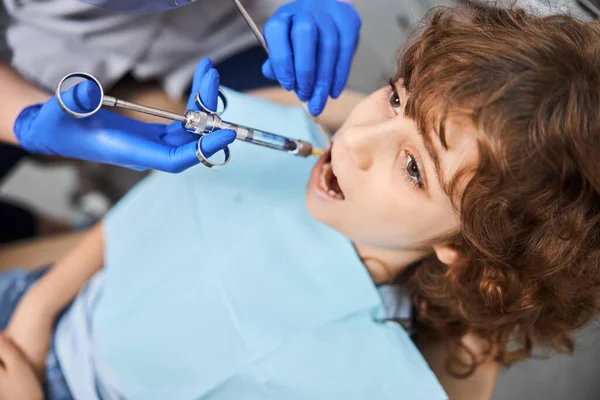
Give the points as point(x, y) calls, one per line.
point(200, 122)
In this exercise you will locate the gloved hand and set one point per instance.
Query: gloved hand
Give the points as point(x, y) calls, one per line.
point(111, 138)
point(311, 45)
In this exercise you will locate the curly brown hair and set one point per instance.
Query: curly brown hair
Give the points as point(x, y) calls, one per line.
point(530, 214)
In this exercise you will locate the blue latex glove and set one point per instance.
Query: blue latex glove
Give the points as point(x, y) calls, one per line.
point(311, 45)
point(111, 138)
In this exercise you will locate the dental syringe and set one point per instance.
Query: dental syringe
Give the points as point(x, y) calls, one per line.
point(203, 122)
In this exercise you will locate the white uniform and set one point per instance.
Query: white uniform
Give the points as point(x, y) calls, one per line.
point(50, 38)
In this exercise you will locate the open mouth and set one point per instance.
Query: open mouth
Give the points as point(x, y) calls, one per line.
point(328, 181)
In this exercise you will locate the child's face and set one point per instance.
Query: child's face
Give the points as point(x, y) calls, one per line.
point(387, 191)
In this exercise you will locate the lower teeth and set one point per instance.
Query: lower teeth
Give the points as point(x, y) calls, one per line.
point(336, 195)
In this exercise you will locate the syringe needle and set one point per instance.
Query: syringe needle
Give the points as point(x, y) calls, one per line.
point(317, 152)
point(156, 112)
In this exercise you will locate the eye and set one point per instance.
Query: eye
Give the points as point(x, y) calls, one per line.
point(412, 171)
point(395, 99)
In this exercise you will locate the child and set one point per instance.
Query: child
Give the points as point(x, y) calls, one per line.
point(472, 179)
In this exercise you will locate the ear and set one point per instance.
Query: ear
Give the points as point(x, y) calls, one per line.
point(447, 253)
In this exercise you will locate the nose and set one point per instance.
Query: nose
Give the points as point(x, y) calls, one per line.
point(363, 143)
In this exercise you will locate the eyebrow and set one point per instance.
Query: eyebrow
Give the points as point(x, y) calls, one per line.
point(435, 158)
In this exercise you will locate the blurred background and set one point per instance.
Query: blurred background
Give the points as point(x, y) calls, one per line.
point(73, 193)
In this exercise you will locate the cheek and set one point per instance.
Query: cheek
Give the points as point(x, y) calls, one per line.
point(380, 215)
point(400, 216)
